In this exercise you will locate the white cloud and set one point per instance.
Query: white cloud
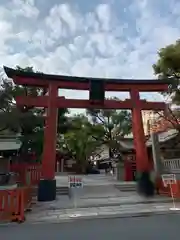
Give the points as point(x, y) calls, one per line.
point(6, 32)
point(24, 8)
point(104, 15)
point(97, 42)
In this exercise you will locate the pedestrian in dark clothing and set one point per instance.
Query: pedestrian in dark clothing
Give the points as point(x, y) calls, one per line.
point(106, 168)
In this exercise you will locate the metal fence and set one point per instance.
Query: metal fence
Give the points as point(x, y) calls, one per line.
point(172, 165)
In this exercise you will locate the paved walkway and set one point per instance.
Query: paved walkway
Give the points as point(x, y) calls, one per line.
point(88, 180)
point(98, 191)
point(101, 212)
point(99, 198)
point(63, 202)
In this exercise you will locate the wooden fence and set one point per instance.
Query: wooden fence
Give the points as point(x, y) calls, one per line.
point(14, 203)
point(28, 174)
point(171, 166)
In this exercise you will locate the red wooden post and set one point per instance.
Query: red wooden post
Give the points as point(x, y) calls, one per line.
point(128, 176)
point(49, 151)
point(142, 163)
point(47, 185)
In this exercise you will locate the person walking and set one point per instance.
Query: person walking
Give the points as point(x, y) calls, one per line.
point(106, 168)
point(111, 168)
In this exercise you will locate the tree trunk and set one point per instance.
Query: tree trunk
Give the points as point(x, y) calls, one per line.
point(81, 167)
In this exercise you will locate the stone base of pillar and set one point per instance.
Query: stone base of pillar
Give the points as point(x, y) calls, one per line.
point(47, 190)
point(145, 184)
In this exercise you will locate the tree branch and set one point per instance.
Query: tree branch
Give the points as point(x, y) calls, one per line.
point(169, 120)
point(3, 110)
point(174, 116)
point(97, 139)
point(70, 151)
point(98, 117)
point(2, 129)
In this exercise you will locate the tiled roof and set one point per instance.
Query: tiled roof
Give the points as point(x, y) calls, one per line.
point(127, 144)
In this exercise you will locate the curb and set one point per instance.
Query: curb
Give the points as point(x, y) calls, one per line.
point(100, 216)
point(114, 204)
point(109, 216)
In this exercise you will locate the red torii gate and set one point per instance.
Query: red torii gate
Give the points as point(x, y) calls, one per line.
point(47, 186)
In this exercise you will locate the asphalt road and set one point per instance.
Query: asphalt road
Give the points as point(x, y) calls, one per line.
point(164, 227)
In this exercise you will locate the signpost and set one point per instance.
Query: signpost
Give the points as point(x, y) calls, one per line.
point(169, 179)
point(75, 183)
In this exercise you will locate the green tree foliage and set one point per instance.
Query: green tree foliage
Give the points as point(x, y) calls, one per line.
point(29, 121)
point(113, 125)
point(78, 141)
point(168, 67)
point(15, 118)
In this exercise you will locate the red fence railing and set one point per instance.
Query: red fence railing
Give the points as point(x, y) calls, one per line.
point(14, 203)
point(175, 189)
point(28, 174)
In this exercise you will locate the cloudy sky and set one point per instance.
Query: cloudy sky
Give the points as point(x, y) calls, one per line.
point(102, 38)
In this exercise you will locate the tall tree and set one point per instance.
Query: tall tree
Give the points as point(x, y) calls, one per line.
point(114, 124)
point(16, 118)
point(78, 141)
point(29, 121)
point(168, 67)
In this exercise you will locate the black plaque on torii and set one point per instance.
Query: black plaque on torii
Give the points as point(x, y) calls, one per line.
point(97, 91)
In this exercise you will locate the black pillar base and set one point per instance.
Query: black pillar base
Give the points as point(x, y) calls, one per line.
point(47, 190)
point(145, 185)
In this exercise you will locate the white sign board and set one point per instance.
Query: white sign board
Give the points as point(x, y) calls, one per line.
point(75, 182)
point(168, 179)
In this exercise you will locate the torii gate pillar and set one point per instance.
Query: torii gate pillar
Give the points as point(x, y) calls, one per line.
point(47, 185)
point(142, 163)
point(145, 185)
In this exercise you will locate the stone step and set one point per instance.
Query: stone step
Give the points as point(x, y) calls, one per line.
point(59, 191)
point(126, 188)
point(62, 190)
